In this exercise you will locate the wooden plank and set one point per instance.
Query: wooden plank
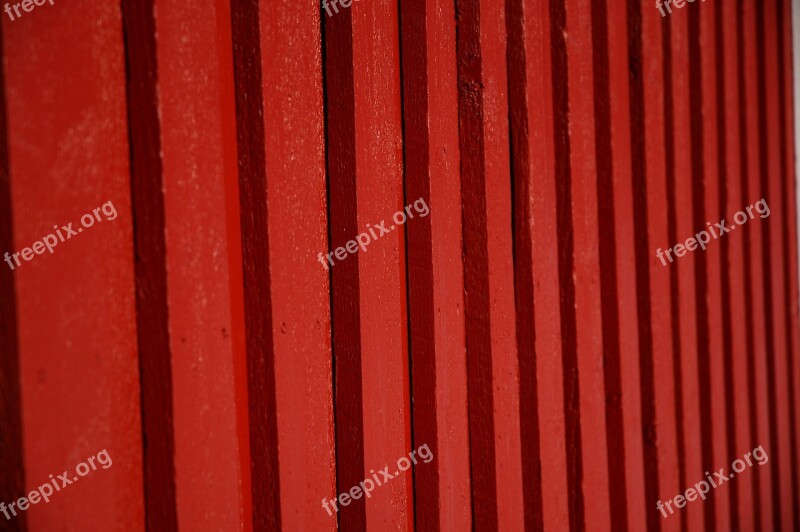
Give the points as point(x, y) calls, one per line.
point(435, 270)
point(620, 197)
point(774, 289)
point(369, 304)
point(754, 248)
point(536, 270)
point(706, 152)
point(278, 64)
point(585, 271)
point(197, 145)
point(497, 489)
point(683, 283)
point(736, 329)
point(654, 290)
point(68, 147)
point(789, 205)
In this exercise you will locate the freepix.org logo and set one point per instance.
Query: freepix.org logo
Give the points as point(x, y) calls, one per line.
point(65, 233)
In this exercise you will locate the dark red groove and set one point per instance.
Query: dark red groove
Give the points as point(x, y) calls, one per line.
point(255, 258)
point(748, 294)
point(700, 266)
point(672, 231)
point(642, 251)
point(608, 269)
point(419, 271)
point(727, 325)
point(476, 267)
point(766, 260)
point(12, 474)
point(150, 266)
point(346, 312)
point(523, 267)
point(572, 412)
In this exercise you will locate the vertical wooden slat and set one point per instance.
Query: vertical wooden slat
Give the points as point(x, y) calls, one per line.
point(488, 271)
point(197, 149)
point(621, 210)
point(435, 270)
point(734, 310)
point(536, 273)
point(585, 274)
point(369, 305)
point(754, 248)
point(705, 154)
point(278, 63)
point(772, 233)
point(785, 15)
point(683, 280)
point(68, 148)
point(653, 278)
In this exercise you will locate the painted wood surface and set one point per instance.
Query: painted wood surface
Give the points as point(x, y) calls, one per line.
point(250, 364)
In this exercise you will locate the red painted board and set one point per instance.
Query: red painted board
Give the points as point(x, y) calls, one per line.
point(278, 65)
point(730, 117)
point(756, 251)
point(203, 264)
point(790, 269)
point(566, 285)
point(12, 481)
point(585, 274)
point(435, 269)
point(370, 342)
point(621, 209)
point(68, 147)
point(497, 489)
point(685, 313)
point(656, 280)
point(544, 454)
point(292, 92)
point(772, 232)
point(706, 153)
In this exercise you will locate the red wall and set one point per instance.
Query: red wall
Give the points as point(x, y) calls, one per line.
point(525, 330)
